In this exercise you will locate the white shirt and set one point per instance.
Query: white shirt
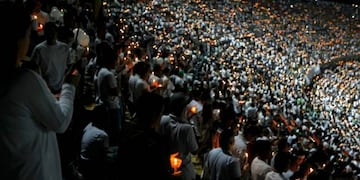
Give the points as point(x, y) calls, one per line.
point(94, 143)
point(274, 176)
point(53, 61)
point(259, 168)
point(222, 166)
point(105, 81)
point(132, 83)
point(141, 86)
point(30, 118)
point(181, 138)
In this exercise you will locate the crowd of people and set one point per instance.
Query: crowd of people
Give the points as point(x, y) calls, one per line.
point(233, 89)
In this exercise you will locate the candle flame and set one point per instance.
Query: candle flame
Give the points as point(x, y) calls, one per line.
point(175, 163)
point(193, 109)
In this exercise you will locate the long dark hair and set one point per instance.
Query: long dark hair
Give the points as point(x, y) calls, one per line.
point(15, 29)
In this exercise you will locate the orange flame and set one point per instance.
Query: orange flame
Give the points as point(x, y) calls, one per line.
point(175, 163)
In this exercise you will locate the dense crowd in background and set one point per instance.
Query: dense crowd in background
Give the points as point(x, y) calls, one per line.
point(280, 75)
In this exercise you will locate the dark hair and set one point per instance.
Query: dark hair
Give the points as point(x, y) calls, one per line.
point(106, 56)
point(178, 102)
point(226, 138)
point(282, 144)
point(147, 106)
point(15, 29)
point(281, 161)
point(144, 68)
point(263, 148)
point(50, 27)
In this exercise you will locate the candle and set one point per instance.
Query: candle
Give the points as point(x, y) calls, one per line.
point(193, 109)
point(175, 163)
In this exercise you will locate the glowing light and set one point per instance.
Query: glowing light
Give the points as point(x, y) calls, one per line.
point(175, 163)
point(193, 109)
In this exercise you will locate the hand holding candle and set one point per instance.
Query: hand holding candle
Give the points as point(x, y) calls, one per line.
point(175, 163)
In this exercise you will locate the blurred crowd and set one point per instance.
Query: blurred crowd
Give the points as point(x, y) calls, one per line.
point(233, 89)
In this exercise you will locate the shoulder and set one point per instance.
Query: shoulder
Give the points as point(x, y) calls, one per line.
point(40, 45)
point(29, 74)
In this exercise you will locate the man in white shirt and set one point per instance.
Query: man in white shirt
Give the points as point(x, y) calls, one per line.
point(259, 166)
point(180, 134)
point(94, 145)
point(221, 164)
point(53, 58)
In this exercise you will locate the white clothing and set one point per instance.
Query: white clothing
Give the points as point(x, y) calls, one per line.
point(94, 143)
point(221, 166)
point(168, 87)
point(259, 168)
point(240, 148)
point(105, 81)
point(53, 61)
point(274, 176)
point(181, 138)
point(30, 118)
point(132, 83)
point(141, 86)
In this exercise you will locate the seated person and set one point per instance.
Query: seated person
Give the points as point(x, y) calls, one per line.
point(94, 145)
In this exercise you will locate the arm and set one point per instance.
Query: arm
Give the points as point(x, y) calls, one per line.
point(54, 114)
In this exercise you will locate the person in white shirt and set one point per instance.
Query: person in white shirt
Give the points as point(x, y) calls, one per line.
point(220, 163)
point(260, 166)
point(179, 134)
point(131, 85)
point(94, 145)
point(53, 58)
point(108, 92)
point(30, 114)
point(141, 84)
point(281, 165)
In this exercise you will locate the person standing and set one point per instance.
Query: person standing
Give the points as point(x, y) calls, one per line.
point(259, 165)
point(142, 152)
point(30, 114)
point(53, 58)
point(108, 92)
point(179, 134)
point(220, 163)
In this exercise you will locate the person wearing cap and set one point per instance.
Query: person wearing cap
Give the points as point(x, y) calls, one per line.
point(180, 134)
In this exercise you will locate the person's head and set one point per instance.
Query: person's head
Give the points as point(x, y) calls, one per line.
point(139, 54)
point(227, 140)
point(144, 70)
point(228, 116)
point(50, 31)
point(157, 69)
point(106, 56)
point(178, 103)
point(263, 149)
point(282, 145)
point(15, 36)
point(149, 109)
point(250, 132)
point(282, 162)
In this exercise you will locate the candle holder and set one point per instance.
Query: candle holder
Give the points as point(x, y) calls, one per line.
point(175, 163)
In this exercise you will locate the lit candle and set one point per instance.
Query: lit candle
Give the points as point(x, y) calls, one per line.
point(175, 163)
point(193, 109)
